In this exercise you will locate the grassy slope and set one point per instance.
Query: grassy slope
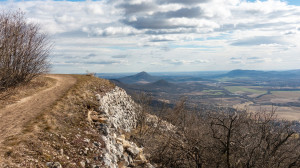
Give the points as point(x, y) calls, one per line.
point(61, 133)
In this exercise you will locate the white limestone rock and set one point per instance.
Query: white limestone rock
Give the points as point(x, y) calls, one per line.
point(120, 110)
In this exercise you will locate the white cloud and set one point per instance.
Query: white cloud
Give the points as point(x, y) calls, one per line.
point(168, 33)
point(184, 62)
point(111, 31)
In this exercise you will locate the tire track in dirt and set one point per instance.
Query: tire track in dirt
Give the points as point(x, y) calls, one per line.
point(14, 116)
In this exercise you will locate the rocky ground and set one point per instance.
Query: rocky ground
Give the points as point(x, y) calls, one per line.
point(86, 128)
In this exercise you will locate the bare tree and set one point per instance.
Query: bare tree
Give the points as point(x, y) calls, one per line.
point(243, 139)
point(24, 50)
point(223, 138)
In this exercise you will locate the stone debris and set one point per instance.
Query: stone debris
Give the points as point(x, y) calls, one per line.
point(120, 108)
point(82, 163)
point(117, 114)
point(53, 165)
point(103, 129)
point(162, 125)
point(98, 97)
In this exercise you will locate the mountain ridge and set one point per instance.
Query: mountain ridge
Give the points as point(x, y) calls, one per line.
point(261, 74)
point(142, 77)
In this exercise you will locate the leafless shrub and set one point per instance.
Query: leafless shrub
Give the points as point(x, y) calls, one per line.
point(24, 50)
point(253, 140)
point(143, 102)
point(223, 138)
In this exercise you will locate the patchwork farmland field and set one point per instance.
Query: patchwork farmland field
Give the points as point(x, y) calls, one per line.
point(245, 89)
point(255, 90)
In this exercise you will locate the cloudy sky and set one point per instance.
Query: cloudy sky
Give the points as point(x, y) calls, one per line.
point(167, 35)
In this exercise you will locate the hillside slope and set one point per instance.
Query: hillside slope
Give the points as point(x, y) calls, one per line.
point(96, 124)
point(83, 128)
point(142, 77)
point(262, 74)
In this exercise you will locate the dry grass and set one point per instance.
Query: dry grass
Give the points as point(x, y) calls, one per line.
point(13, 95)
point(61, 132)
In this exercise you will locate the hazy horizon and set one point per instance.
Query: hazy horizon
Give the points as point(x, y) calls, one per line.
point(114, 36)
point(204, 71)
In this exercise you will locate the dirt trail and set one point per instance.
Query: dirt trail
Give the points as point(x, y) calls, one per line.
point(14, 116)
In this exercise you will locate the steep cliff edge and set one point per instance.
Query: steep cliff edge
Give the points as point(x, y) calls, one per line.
point(116, 115)
point(86, 128)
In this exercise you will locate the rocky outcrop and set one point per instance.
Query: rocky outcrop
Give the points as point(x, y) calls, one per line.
point(116, 115)
point(53, 165)
point(120, 109)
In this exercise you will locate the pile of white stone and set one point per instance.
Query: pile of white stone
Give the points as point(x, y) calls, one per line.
point(120, 108)
point(118, 115)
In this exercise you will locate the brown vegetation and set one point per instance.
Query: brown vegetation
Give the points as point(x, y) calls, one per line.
point(62, 132)
point(12, 95)
point(23, 50)
point(220, 138)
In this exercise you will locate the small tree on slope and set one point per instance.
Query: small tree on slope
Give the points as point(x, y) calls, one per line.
point(24, 50)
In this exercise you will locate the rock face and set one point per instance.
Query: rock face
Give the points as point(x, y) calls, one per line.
point(120, 108)
point(116, 115)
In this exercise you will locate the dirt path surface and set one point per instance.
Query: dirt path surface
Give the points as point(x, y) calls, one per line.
point(14, 116)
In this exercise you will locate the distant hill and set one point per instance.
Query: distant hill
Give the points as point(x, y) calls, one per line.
point(242, 73)
point(160, 83)
point(118, 83)
point(261, 74)
point(142, 77)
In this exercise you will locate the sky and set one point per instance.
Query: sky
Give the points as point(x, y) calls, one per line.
point(111, 36)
